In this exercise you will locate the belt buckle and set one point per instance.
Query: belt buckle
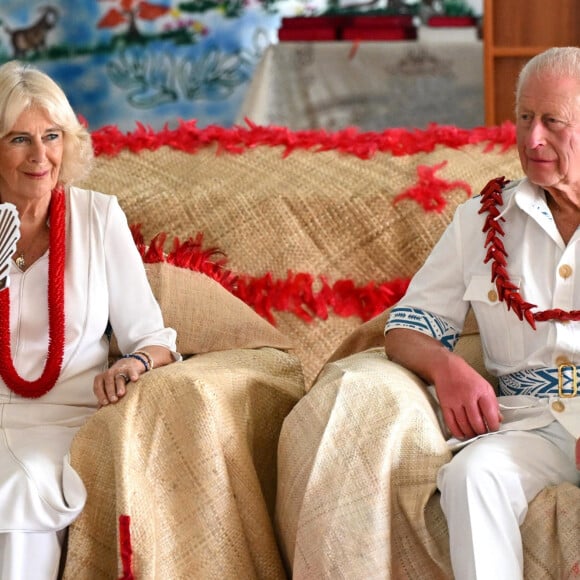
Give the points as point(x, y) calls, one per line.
point(567, 394)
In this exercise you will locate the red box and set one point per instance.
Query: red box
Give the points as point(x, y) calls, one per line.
point(450, 21)
point(347, 27)
point(301, 22)
point(313, 34)
point(351, 33)
point(309, 28)
point(371, 21)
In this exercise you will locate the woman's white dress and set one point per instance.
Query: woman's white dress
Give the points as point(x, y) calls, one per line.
point(105, 281)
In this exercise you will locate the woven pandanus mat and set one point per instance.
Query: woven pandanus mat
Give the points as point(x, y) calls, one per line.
point(326, 213)
point(190, 459)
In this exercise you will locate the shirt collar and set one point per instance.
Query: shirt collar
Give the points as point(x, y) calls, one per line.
point(531, 199)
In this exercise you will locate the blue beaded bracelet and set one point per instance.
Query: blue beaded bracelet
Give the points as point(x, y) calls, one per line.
point(139, 358)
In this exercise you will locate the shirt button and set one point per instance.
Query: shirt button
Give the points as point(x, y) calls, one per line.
point(565, 271)
point(562, 360)
point(492, 296)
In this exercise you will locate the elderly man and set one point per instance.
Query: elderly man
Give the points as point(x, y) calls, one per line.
point(511, 254)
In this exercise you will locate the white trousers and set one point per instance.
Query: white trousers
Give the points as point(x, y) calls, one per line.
point(30, 555)
point(485, 492)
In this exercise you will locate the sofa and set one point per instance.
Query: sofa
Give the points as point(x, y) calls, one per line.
point(276, 256)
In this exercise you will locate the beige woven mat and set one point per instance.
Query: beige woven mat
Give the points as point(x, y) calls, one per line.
point(325, 213)
point(357, 484)
point(190, 457)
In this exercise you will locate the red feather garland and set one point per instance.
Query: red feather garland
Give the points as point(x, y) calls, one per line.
point(189, 138)
point(508, 292)
point(56, 313)
point(301, 293)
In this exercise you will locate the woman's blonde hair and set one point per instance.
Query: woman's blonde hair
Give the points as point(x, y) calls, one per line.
point(22, 87)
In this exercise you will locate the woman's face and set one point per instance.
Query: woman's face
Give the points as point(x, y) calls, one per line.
point(30, 157)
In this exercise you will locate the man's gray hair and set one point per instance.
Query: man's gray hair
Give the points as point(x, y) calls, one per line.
point(559, 61)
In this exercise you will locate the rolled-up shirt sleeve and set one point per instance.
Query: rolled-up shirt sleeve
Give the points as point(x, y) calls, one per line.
point(434, 302)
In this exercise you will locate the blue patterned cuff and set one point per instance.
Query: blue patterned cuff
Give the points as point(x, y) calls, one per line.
point(425, 322)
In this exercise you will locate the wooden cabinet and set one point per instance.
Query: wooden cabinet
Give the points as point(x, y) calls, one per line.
point(513, 32)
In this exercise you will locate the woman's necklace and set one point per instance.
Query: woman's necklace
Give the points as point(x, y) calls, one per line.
point(507, 291)
point(20, 260)
point(56, 264)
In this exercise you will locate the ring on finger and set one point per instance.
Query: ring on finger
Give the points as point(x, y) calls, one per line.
point(124, 376)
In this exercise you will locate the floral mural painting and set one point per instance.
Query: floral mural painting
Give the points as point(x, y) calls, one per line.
point(156, 62)
point(129, 12)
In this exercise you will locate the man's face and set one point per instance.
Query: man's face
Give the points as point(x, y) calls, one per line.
point(548, 131)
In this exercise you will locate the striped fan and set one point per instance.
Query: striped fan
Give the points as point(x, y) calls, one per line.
point(9, 234)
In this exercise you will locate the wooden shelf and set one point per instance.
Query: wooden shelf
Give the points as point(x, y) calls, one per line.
point(527, 51)
point(513, 32)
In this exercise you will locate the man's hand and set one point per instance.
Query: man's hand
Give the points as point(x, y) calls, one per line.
point(468, 402)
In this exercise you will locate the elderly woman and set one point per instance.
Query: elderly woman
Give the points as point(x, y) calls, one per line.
point(69, 271)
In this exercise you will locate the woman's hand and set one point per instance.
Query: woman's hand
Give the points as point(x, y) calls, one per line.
point(111, 385)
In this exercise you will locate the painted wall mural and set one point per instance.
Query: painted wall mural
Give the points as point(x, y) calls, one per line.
point(158, 61)
point(127, 61)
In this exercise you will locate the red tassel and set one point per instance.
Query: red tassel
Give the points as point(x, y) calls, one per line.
point(492, 224)
point(529, 316)
point(125, 548)
point(495, 254)
point(154, 252)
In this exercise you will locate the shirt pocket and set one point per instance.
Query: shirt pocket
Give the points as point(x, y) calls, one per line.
point(502, 333)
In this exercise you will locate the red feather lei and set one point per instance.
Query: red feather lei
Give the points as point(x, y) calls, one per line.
point(507, 291)
point(56, 263)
